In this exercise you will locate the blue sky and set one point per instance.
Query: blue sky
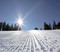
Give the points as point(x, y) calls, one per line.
point(40, 11)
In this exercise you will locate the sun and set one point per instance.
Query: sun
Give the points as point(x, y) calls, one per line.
point(19, 21)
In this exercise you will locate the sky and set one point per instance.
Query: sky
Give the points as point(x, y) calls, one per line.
point(34, 12)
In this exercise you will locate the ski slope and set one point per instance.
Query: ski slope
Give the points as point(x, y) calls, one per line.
point(30, 41)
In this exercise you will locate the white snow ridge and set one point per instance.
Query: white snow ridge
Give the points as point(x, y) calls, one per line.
point(30, 41)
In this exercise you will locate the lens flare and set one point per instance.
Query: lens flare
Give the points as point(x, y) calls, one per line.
point(19, 21)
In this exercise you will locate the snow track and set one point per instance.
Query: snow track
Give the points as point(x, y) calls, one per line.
point(30, 41)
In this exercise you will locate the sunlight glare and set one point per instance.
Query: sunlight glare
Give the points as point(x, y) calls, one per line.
point(19, 21)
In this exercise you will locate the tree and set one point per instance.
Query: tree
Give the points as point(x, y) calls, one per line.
point(47, 27)
point(58, 25)
point(36, 28)
point(50, 26)
point(19, 28)
point(11, 28)
point(40, 28)
point(15, 27)
point(1, 25)
point(54, 24)
point(7, 27)
point(4, 26)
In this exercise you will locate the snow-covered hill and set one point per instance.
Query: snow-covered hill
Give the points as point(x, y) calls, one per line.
point(30, 41)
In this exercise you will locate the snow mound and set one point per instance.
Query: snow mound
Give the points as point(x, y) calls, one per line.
point(30, 41)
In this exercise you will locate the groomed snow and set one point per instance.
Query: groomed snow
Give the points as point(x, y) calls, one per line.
point(30, 41)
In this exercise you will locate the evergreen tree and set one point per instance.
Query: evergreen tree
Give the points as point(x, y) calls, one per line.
point(58, 25)
point(36, 28)
point(50, 26)
point(46, 26)
point(1, 25)
point(40, 28)
point(4, 26)
point(19, 28)
point(54, 24)
point(11, 28)
point(15, 27)
point(7, 27)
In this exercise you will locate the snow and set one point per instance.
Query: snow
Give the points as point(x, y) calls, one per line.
point(30, 41)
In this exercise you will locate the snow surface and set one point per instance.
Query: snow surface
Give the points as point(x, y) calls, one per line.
point(30, 41)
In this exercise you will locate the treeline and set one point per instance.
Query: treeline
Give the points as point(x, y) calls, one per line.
point(49, 27)
point(6, 27)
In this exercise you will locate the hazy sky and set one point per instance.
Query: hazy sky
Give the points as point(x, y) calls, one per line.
point(36, 12)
